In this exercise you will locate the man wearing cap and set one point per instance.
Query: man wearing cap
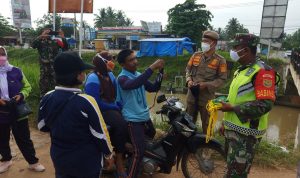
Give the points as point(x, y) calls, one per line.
point(48, 48)
point(251, 97)
point(79, 136)
point(206, 71)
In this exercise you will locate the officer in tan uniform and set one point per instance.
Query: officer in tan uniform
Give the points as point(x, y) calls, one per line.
point(206, 71)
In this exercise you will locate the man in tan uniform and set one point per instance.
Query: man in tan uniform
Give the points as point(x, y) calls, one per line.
point(206, 71)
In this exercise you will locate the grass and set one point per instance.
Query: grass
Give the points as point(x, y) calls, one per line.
point(267, 155)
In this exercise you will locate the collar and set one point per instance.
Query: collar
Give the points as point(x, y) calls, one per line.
point(76, 90)
point(240, 68)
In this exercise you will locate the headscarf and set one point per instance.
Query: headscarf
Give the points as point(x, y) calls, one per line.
point(107, 90)
point(4, 94)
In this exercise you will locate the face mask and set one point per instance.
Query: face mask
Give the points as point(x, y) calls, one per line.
point(3, 60)
point(205, 47)
point(110, 65)
point(234, 55)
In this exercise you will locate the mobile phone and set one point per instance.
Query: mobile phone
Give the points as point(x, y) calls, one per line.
point(53, 33)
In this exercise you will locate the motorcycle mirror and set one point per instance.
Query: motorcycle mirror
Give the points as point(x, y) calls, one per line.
point(161, 98)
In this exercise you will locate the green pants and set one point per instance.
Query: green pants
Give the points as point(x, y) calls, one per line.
point(240, 151)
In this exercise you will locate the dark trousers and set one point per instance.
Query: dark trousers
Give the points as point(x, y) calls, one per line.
point(117, 129)
point(193, 111)
point(20, 130)
point(138, 132)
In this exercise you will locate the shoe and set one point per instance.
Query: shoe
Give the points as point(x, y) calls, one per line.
point(37, 167)
point(4, 166)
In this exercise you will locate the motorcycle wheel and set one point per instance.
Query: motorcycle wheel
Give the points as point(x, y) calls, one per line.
point(207, 161)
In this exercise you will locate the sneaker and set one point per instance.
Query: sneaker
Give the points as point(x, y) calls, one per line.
point(37, 167)
point(4, 166)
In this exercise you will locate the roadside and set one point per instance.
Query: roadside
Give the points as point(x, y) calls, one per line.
point(42, 145)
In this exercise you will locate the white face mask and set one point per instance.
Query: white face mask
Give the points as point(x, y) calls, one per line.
point(234, 55)
point(205, 47)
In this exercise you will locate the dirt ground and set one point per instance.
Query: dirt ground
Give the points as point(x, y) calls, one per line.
point(42, 145)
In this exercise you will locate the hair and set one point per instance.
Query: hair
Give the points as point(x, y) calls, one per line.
point(123, 55)
point(1, 47)
point(68, 80)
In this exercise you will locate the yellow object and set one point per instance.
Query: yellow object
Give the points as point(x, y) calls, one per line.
point(101, 44)
point(212, 108)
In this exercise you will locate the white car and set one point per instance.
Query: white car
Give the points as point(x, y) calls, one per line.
point(288, 53)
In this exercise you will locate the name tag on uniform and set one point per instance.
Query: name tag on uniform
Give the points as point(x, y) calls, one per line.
point(250, 71)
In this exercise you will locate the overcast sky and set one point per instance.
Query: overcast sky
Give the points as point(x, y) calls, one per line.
point(248, 12)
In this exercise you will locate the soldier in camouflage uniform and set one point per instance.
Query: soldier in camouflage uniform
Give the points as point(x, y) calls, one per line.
point(206, 71)
point(251, 97)
point(48, 49)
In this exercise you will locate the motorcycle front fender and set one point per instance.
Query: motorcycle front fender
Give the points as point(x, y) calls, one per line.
point(199, 140)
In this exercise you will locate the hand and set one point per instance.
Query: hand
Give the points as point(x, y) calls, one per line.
point(222, 130)
point(17, 98)
point(2, 102)
point(226, 107)
point(158, 64)
point(45, 33)
point(109, 163)
point(190, 83)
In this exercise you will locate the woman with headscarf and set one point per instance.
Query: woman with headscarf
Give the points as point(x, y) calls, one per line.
point(14, 87)
point(101, 84)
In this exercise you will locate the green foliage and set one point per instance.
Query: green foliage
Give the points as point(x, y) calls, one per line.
point(5, 28)
point(234, 27)
point(108, 17)
point(47, 21)
point(189, 20)
point(291, 41)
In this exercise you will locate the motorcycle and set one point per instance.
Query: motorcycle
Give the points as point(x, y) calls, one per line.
point(182, 144)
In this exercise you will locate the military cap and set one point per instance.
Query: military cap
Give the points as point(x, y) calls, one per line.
point(210, 35)
point(244, 39)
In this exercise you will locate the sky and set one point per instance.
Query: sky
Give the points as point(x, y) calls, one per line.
point(248, 12)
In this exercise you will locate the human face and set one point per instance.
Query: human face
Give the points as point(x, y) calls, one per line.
point(81, 77)
point(242, 53)
point(130, 63)
point(209, 42)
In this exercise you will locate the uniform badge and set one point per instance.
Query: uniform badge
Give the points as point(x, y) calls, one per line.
point(250, 71)
point(267, 83)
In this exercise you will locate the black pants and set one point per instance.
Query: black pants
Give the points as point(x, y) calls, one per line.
point(138, 132)
point(117, 129)
point(20, 130)
point(57, 175)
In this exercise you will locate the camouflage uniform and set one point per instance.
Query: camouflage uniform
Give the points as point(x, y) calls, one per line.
point(48, 50)
point(240, 148)
point(213, 72)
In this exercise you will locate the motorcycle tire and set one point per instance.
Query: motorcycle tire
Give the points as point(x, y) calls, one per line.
point(208, 161)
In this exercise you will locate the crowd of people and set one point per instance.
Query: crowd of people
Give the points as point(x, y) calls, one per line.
point(89, 125)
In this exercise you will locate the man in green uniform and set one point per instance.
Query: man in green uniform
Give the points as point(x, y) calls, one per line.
point(48, 48)
point(251, 97)
point(206, 71)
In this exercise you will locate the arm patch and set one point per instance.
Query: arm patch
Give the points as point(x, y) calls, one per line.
point(265, 84)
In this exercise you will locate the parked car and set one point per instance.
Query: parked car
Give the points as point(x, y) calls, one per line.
point(288, 53)
point(90, 46)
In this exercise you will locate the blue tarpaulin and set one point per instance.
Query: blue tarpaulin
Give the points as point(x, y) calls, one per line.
point(164, 46)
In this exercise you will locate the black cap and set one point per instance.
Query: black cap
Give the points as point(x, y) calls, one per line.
point(67, 63)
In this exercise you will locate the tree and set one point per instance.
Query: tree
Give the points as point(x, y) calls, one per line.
point(234, 27)
point(47, 21)
point(109, 18)
point(291, 41)
point(189, 20)
point(5, 28)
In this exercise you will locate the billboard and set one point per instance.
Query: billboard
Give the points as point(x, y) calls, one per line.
point(273, 19)
point(67, 22)
point(71, 6)
point(21, 13)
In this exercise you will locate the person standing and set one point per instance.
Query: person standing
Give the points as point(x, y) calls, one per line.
point(206, 71)
point(79, 137)
point(14, 87)
point(48, 47)
point(131, 94)
point(251, 97)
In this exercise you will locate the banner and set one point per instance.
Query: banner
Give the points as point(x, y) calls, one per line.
point(71, 6)
point(21, 13)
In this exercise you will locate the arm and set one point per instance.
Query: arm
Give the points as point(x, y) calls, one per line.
point(153, 87)
point(42, 115)
point(93, 89)
point(221, 77)
point(129, 84)
point(26, 87)
point(98, 127)
point(36, 43)
point(253, 109)
point(188, 68)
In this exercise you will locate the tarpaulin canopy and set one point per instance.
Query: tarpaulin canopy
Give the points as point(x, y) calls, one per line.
point(164, 46)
